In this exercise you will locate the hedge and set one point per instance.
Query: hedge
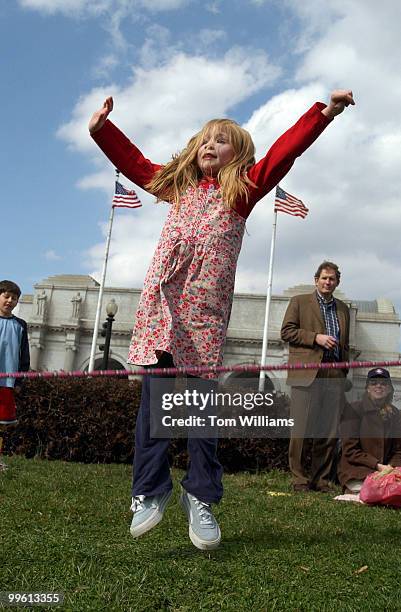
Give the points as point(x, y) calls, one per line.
point(92, 421)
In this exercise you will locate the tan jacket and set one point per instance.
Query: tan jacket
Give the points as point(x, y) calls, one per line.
point(303, 320)
point(366, 440)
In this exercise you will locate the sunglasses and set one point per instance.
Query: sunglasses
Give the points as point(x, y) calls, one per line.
point(374, 383)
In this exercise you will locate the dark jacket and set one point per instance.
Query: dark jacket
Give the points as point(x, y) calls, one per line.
point(24, 356)
point(303, 320)
point(368, 438)
point(23, 350)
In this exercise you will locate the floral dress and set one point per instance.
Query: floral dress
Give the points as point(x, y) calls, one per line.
point(186, 301)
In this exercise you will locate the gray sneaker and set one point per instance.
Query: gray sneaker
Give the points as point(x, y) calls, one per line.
point(204, 531)
point(148, 512)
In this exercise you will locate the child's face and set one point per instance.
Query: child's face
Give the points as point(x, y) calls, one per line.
point(8, 302)
point(215, 152)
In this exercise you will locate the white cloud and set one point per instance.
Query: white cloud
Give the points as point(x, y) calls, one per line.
point(349, 178)
point(134, 238)
point(98, 7)
point(68, 7)
point(157, 47)
point(163, 106)
point(207, 36)
point(105, 65)
point(163, 5)
point(51, 255)
point(213, 7)
point(112, 12)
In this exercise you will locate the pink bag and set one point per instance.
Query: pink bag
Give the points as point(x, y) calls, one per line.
point(382, 488)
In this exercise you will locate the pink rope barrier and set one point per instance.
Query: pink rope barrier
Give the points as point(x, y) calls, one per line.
point(197, 370)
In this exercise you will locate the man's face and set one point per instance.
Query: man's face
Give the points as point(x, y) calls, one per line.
point(326, 283)
point(8, 302)
point(378, 388)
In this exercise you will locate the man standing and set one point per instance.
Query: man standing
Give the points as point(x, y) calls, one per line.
point(317, 328)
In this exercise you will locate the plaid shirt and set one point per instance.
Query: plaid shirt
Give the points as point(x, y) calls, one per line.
point(329, 314)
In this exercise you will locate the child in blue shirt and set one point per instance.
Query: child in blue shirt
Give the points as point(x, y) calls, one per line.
point(14, 352)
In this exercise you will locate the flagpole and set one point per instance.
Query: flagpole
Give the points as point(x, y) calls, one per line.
point(91, 366)
point(262, 374)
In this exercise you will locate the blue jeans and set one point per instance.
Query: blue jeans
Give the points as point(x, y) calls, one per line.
point(151, 469)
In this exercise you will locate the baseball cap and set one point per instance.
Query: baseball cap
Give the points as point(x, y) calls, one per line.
point(378, 373)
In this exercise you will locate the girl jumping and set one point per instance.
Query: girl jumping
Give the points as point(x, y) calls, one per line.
point(182, 317)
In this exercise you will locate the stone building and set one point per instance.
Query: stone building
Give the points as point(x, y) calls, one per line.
point(61, 312)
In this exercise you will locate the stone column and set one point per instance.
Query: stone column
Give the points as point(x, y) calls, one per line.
point(72, 336)
point(69, 358)
point(35, 356)
point(37, 341)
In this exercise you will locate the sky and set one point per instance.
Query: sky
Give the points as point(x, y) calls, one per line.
point(171, 65)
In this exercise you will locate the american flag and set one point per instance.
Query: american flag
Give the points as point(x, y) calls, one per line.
point(289, 204)
point(125, 198)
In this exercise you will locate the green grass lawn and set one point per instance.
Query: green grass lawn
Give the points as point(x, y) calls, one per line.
point(65, 527)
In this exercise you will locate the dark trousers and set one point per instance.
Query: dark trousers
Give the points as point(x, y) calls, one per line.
point(151, 469)
point(316, 411)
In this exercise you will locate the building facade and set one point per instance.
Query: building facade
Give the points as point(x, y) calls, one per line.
point(61, 313)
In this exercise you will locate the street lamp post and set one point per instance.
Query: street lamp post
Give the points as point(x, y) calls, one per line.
point(111, 310)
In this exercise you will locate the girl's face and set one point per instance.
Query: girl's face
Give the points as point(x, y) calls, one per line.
point(215, 152)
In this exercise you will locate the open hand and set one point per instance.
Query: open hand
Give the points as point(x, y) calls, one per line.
point(99, 117)
point(340, 98)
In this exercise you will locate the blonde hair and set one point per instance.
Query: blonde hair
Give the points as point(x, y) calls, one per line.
point(173, 179)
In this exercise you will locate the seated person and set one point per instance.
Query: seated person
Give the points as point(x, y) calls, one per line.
point(371, 433)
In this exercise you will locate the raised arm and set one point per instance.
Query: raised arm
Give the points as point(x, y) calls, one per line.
point(125, 156)
point(269, 171)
